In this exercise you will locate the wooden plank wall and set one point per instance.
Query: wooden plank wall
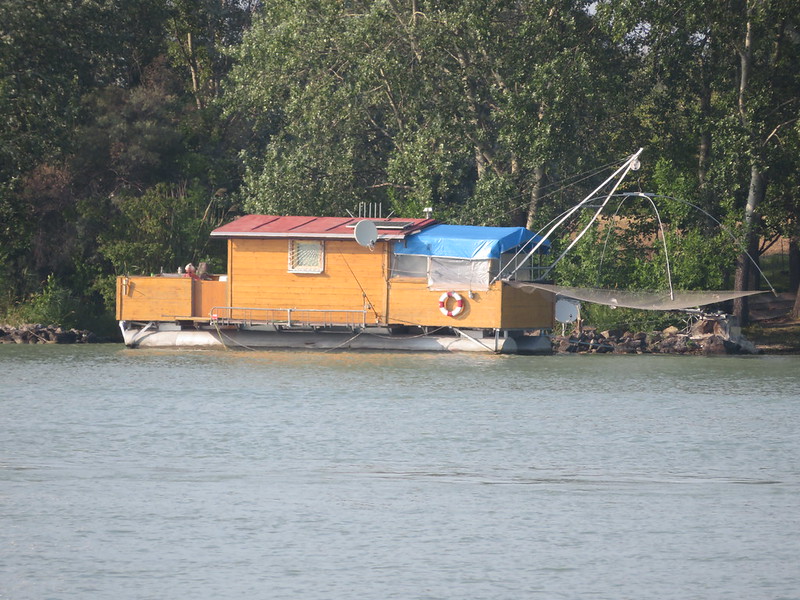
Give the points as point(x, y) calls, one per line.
point(412, 303)
point(259, 278)
point(167, 298)
point(501, 306)
point(523, 310)
point(206, 295)
point(153, 298)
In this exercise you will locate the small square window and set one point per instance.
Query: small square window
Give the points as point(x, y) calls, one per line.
point(306, 256)
point(409, 265)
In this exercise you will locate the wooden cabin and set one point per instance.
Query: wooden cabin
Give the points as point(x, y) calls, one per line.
point(295, 271)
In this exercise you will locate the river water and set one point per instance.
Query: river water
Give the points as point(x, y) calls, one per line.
point(138, 474)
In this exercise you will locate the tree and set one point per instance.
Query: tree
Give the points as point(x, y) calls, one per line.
point(769, 53)
point(466, 107)
point(162, 229)
point(94, 112)
point(735, 78)
point(200, 32)
point(52, 54)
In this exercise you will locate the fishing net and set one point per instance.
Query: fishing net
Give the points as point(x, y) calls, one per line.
point(642, 300)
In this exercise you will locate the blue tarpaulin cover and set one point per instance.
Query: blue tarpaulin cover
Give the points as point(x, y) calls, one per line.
point(468, 241)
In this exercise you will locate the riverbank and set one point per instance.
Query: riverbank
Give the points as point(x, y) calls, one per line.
point(772, 331)
point(668, 341)
point(780, 336)
point(776, 337)
point(48, 334)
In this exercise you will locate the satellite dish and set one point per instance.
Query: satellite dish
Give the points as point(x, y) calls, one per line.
point(567, 310)
point(366, 233)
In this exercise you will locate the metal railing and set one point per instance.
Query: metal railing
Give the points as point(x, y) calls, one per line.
point(287, 317)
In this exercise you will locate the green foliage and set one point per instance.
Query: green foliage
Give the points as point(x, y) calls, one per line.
point(607, 317)
point(200, 31)
point(701, 261)
point(629, 254)
point(52, 305)
point(131, 140)
point(776, 269)
point(164, 228)
point(494, 198)
point(97, 114)
point(482, 110)
point(415, 106)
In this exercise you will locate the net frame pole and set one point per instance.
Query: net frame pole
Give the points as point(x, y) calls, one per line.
point(626, 166)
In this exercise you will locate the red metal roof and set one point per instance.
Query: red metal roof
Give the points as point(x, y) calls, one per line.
point(268, 226)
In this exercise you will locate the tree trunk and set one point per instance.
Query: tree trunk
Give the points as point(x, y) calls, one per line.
point(704, 147)
point(538, 180)
point(480, 163)
point(519, 214)
point(756, 190)
point(794, 274)
point(193, 69)
point(743, 263)
point(536, 195)
point(796, 309)
point(741, 306)
point(794, 264)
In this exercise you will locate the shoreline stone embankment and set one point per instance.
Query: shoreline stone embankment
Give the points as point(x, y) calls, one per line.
point(47, 334)
point(668, 341)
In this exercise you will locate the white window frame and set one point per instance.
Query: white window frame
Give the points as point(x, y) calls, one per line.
point(295, 247)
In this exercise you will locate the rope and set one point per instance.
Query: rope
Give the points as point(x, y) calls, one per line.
point(344, 342)
point(219, 334)
point(358, 283)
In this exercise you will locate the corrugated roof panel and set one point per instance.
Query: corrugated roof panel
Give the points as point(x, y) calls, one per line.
point(265, 223)
point(292, 223)
point(315, 227)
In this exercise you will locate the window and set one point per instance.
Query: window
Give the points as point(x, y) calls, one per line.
point(515, 266)
point(409, 265)
point(458, 274)
point(306, 256)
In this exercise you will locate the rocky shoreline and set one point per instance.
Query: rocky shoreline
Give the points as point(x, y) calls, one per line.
point(703, 339)
point(47, 334)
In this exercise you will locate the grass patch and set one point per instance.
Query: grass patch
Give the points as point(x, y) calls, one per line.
point(781, 336)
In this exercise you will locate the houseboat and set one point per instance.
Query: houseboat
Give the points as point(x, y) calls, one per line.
point(326, 283)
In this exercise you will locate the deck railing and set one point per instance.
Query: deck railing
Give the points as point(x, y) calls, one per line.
point(287, 317)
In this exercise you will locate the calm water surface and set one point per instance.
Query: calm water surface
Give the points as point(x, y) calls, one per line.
point(137, 474)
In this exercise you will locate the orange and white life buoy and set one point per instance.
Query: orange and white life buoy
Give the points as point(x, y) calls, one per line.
point(456, 309)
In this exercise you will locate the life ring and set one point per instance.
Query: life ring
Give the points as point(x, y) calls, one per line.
point(457, 309)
